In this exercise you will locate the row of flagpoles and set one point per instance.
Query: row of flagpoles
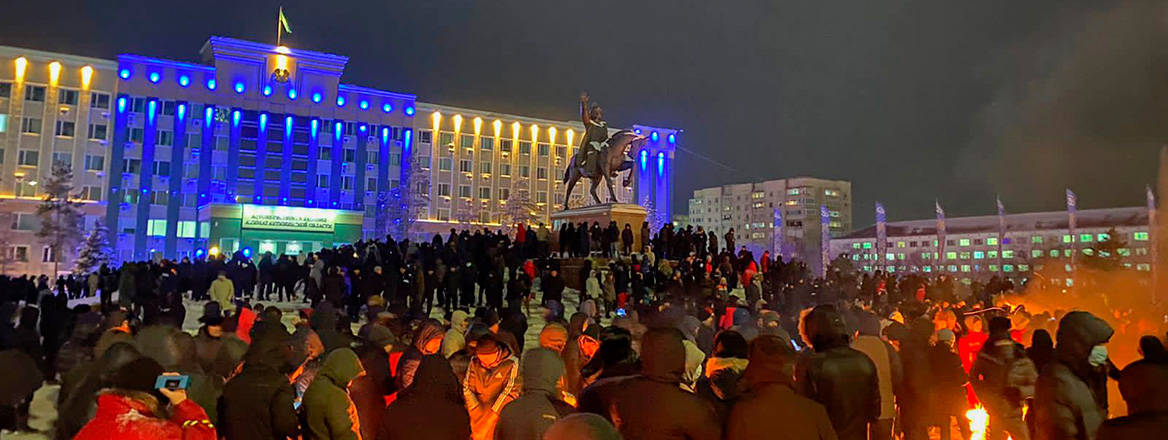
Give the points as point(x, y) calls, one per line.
point(882, 230)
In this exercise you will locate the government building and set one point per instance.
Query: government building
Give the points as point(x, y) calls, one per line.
point(976, 250)
point(262, 148)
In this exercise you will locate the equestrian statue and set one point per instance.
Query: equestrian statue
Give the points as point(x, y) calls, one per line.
point(600, 156)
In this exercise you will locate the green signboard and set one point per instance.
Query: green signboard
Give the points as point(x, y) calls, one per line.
point(288, 218)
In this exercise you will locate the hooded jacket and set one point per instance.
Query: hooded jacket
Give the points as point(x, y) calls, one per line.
point(1066, 404)
point(672, 414)
point(129, 415)
point(328, 411)
point(257, 403)
point(454, 339)
point(840, 378)
point(433, 400)
point(413, 355)
point(529, 416)
point(770, 405)
point(78, 402)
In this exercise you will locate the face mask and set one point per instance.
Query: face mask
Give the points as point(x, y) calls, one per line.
point(1098, 355)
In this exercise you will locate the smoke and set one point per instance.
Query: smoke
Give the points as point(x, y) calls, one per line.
point(1082, 103)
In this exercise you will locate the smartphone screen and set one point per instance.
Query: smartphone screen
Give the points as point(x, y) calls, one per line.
point(172, 382)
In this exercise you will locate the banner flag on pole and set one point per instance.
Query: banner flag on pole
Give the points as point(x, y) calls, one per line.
point(1001, 232)
point(1153, 238)
point(284, 21)
point(777, 234)
point(825, 237)
point(1072, 208)
point(881, 237)
point(940, 234)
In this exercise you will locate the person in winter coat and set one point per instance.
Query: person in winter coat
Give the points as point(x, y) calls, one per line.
point(916, 390)
point(174, 350)
point(530, 415)
point(427, 341)
point(328, 411)
point(257, 403)
point(369, 391)
point(888, 373)
point(652, 405)
point(1003, 378)
point(553, 287)
point(455, 338)
point(1143, 385)
point(770, 405)
point(223, 291)
point(131, 409)
point(77, 402)
point(491, 383)
point(627, 240)
point(434, 400)
point(947, 398)
point(840, 378)
point(1070, 392)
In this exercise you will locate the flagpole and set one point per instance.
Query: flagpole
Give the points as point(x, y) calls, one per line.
point(279, 27)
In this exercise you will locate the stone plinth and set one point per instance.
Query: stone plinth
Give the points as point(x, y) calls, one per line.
point(621, 213)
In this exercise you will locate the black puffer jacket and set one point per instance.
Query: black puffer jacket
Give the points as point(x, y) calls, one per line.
point(652, 405)
point(1066, 404)
point(257, 404)
point(840, 378)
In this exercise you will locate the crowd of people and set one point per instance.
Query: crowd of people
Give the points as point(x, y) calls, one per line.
point(681, 338)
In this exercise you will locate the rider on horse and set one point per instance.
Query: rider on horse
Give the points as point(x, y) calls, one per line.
point(595, 131)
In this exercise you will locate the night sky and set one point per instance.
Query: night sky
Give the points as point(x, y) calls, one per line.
point(910, 100)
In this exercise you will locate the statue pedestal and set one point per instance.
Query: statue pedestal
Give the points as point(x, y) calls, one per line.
point(621, 213)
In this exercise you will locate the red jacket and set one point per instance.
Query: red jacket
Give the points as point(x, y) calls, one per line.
point(122, 417)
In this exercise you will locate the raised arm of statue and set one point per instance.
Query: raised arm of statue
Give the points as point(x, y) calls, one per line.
point(584, 109)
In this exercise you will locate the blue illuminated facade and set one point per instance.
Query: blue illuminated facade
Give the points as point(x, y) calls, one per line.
point(185, 143)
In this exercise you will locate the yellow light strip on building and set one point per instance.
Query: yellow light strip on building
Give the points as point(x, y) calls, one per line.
point(552, 135)
point(457, 123)
point(54, 72)
point(436, 118)
point(570, 134)
point(21, 67)
point(498, 125)
point(534, 133)
point(478, 125)
point(86, 76)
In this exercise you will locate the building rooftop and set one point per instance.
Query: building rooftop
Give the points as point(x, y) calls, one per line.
point(1030, 221)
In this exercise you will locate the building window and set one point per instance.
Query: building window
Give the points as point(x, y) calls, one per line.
point(964, 242)
point(137, 134)
point(347, 183)
point(62, 158)
point(159, 198)
point(47, 254)
point(464, 190)
point(485, 167)
point(486, 143)
point(991, 241)
point(1007, 254)
point(1140, 236)
point(467, 141)
point(541, 197)
point(465, 166)
point(444, 189)
point(28, 157)
point(446, 138)
point(5, 90)
point(23, 221)
point(34, 93)
point(322, 180)
point(543, 149)
point(445, 163)
point(505, 169)
point(350, 155)
point(99, 100)
point(67, 97)
point(1086, 238)
point(98, 131)
point(541, 173)
point(504, 194)
point(951, 255)
point(162, 168)
point(30, 126)
point(165, 137)
point(524, 147)
point(524, 171)
point(92, 193)
point(425, 136)
point(484, 193)
point(65, 128)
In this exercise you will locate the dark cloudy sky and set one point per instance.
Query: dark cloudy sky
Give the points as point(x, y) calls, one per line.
point(910, 100)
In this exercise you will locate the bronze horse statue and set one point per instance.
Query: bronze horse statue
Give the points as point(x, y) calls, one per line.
point(612, 158)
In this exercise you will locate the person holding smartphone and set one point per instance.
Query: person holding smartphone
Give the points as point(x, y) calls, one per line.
point(135, 407)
